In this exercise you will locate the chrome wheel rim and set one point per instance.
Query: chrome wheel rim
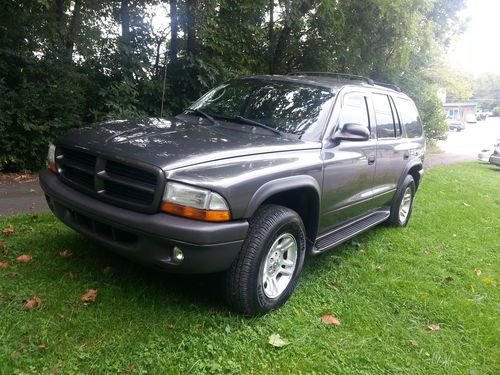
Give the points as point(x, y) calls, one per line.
point(404, 208)
point(279, 265)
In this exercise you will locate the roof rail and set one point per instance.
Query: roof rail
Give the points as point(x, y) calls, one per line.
point(334, 74)
point(389, 86)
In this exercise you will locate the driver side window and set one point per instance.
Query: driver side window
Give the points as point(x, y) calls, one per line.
point(354, 111)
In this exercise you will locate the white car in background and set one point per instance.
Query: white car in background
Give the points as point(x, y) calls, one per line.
point(487, 152)
point(495, 157)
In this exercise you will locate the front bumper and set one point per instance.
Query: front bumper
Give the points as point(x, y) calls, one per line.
point(147, 238)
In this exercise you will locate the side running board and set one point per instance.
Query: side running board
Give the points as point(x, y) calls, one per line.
point(349, 230)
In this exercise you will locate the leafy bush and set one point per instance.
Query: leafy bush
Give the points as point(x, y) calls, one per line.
point(45, 103)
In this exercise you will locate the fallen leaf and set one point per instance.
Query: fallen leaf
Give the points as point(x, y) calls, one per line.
point(361, 251)
point(8, 231)
point(32, 303)
point(42, 346)
point(65, 254)
point(4, 264)
point(228, 329)
point(330, 319)
point(433, 327)
point(14, 274)
point(60, 316)
point(131, 367)
point(73, 275)
point(413, 343)
point(24, 258)
point(466, 204)
point(171, 326)
point(90, 296)
point(477, 271)
point(488, 281)
point(276, 341)
point(427, 251)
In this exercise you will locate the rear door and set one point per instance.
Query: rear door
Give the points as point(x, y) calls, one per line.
point(349, 166)
point(392, 149)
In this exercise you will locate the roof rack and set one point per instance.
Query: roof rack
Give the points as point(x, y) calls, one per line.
point(334, 74)
point(389, 86)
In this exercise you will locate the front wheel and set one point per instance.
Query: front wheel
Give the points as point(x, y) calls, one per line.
point(402, 205)
point(265, 273)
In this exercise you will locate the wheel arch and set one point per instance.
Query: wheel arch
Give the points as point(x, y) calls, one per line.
point(299, 193)
point(415, 170)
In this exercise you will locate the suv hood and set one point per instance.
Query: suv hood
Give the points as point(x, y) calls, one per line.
point(173, 143)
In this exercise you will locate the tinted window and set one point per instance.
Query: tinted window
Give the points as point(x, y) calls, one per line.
point(410, 118)
point(286, 106)
point(397, 119)
point(354, 111)
point(383, 115)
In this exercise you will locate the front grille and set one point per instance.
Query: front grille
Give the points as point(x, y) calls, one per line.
point(136, 187)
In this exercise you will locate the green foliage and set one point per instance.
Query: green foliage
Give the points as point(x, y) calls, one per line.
point(487, 91)
point(67, 63)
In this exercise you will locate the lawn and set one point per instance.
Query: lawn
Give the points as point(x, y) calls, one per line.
point(386, 287)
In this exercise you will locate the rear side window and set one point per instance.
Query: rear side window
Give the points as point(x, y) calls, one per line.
point(384, 116)
point(410, 118)
point(354, 111)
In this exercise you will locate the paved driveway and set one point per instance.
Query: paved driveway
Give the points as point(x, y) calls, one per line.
point(23, 194)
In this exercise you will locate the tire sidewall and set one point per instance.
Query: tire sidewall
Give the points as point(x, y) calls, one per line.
point(295, 228)
point(408, 182)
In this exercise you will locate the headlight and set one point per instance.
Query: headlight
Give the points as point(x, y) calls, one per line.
point(51, 158)
point(194, 203)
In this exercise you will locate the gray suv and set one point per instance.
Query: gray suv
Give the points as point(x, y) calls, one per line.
point(256, 175)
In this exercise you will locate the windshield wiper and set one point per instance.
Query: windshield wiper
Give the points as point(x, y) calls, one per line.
point(256, 123)
point(203, 114)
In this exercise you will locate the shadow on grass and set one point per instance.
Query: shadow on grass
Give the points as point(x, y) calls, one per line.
point(147, 286)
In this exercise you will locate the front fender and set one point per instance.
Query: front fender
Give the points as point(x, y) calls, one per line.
point(281, 185)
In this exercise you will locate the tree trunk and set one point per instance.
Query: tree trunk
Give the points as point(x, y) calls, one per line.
point(59, 18)
point(191, 27)
point(125, 21)
point(271, 36)
point(290, 15)
point(74, 24)
point(174, 31)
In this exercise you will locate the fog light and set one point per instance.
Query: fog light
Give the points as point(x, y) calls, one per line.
point(178, 254)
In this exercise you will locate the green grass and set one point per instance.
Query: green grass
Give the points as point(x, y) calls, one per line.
point(382, 286)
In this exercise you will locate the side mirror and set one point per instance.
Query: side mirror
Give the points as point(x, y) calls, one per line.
point(352, 132)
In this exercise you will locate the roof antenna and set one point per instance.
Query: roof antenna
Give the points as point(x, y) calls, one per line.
point(164, 82)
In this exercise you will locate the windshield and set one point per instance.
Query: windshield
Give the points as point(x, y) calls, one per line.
point(285, 106)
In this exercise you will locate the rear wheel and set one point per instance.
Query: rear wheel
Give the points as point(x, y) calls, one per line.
point(265, 273)
point(402, 204)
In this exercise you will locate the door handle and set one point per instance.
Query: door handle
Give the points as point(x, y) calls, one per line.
point(406, 155)
point(371, 159)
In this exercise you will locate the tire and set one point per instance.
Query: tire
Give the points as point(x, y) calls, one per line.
point(400, 215)
point(250, 287)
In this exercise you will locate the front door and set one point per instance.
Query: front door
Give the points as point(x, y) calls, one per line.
point(348, 166)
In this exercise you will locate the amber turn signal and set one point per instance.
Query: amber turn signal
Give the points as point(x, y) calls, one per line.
point(195, 213)
point(52, 166)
